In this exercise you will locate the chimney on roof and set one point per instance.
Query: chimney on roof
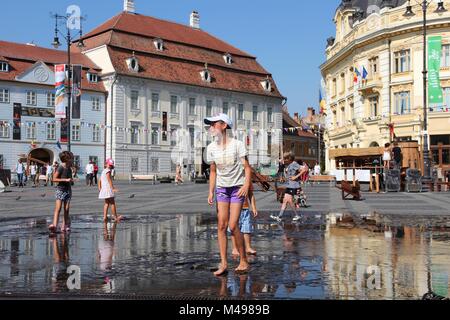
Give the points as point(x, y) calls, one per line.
point(128, 6)
point(195, 20)
point(296, 117)
point(311, 112)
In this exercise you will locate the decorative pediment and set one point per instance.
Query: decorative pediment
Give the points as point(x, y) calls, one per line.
point(39, 73)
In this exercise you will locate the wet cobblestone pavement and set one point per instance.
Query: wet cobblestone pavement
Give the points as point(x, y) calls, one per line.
point(325, 257)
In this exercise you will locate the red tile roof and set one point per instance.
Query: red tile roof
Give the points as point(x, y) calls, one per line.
point(166, 30)
point(21, 57)
point(186, 50)
point(186, 72)
point(34, 53)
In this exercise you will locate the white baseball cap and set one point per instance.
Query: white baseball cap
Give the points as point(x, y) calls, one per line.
point(220, 117)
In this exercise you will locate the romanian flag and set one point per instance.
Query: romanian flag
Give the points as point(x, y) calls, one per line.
point(356, 75)
point(322, 103)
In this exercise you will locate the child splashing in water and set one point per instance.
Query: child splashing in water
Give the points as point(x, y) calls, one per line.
point(106, 191)
point(231, 173)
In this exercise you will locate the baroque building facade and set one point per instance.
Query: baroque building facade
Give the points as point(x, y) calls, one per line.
point(374, 80)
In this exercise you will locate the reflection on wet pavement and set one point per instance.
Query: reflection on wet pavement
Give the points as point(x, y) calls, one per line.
point(325, 257)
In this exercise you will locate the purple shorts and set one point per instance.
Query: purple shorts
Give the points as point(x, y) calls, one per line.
point(229, 195)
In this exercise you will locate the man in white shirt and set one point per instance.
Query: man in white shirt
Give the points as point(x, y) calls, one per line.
point(49, 174)
point(20, 169)
point(89, 173)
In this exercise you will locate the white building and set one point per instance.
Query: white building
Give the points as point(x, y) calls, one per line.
point(27, 83)
point(163, 78)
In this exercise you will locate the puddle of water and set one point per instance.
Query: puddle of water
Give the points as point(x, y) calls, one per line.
point(331, 258)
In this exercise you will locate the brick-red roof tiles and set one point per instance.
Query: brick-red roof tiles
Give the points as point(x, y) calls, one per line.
point(186, 72)
point(185, 52)
point(166, 30)
point(21, 57)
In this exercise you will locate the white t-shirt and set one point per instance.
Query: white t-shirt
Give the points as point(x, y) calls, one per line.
point(33, 169)
point(230, 171)
point(19, 168)
point(49, 169)
point(89, 168)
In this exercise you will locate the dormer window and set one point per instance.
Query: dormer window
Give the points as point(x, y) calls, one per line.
point(92, 77)
point(206, 74)
point(133, 64)
point(228, 59)
point(267, 86)
point(4, 66)
point(159, 44)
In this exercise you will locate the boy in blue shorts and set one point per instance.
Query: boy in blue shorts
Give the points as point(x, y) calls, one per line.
point(245, 224)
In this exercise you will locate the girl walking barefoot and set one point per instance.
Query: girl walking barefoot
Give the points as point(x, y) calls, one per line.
point(106, 191)
point(63, 193)
point(228, 159)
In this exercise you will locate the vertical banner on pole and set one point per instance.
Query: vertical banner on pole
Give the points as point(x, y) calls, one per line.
point(60, 91)
point(76, 92)
point(64, 130)
point(435, 96)
point(17, 117)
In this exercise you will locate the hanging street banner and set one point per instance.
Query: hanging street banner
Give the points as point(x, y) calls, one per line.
point(435, 95)
point(17, 116)
point(60, 91)
point(76, 92)
point(64, 130)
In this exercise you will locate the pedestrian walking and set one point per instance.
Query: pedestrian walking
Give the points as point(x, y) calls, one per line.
point(26, 173)
point(178, 177)
point(230, 179)
point(63, 192)
point(293, 173)
point(49, 174)
point(246, 224)
point(20, 169)
point(33, 171)
point(95, 173)
point(89, 173)
point(106, 192)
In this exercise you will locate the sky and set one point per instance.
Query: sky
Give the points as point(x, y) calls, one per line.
point(288, 37)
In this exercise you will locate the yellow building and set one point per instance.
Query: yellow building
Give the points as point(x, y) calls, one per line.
point(375, 38)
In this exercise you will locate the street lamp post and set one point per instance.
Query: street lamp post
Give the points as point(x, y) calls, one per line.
point(69, 39)
point(426, 150)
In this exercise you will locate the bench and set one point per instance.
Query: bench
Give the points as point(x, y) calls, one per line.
point(143, 177)
point(348, 189)
point(166, 179)
point(323, 178)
